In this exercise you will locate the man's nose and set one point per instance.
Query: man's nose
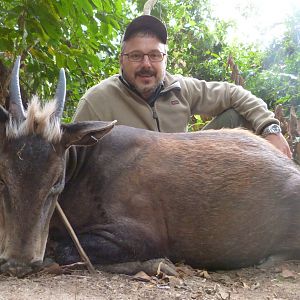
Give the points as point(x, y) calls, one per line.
point(146, 60)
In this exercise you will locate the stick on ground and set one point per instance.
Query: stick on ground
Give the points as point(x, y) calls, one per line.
point(72, 233)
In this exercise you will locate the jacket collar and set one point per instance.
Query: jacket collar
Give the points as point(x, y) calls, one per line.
point(170, 83)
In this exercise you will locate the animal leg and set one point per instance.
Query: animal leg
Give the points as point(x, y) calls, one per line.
point(276, 259)
point(104, 247)
point(98, 249)
point(151, 267)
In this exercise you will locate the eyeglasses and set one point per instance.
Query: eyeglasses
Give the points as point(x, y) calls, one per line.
point(137, 56)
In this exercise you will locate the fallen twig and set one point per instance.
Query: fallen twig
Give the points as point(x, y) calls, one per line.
point(72, 233)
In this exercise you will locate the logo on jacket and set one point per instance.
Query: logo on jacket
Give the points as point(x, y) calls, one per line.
point(174, 102)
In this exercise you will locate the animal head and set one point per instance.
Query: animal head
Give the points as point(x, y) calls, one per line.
point(33, 144)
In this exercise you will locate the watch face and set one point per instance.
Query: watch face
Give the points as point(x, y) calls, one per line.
point(272, 129)
point(275, 128)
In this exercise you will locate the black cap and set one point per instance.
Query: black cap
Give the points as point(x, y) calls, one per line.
point(147, 22)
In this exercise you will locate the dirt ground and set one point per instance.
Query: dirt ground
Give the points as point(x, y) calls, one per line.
point(279, 282)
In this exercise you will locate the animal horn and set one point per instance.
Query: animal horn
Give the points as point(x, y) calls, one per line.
point(60, 94)
point(15, 103)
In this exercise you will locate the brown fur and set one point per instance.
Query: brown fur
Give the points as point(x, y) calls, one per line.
point(215, 199)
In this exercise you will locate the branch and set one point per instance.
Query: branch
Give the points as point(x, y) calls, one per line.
point(69, 228)
point(149, 6)
point(235, 73)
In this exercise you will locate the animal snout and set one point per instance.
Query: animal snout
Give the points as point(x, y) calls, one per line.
point(18, 269)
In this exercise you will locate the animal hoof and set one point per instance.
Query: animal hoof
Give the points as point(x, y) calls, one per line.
point(15, 269)
point(161, 265)
point(151, 267)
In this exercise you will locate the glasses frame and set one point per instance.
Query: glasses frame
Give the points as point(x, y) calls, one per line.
point(148, 54)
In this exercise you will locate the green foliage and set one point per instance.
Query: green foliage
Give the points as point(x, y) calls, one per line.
point(278, 81)
point(81, 35)
point(196, 39)
point(197, 122)
point(197, 44)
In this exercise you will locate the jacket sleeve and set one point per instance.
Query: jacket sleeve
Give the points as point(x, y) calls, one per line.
point(212, 98)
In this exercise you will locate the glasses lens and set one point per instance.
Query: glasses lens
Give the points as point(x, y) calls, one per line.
point(135, 56)
point(156, 56)
point(139, 56)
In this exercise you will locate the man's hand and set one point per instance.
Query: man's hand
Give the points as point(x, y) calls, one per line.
point(280, 143)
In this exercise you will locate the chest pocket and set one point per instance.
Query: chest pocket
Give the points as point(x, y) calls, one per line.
point(173, 113)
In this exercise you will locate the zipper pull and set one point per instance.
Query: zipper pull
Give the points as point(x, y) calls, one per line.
point(154, 114)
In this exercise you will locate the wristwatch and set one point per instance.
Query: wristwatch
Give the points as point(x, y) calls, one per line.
point(271, 129)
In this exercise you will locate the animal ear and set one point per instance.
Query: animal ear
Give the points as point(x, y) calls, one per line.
point(4, 115)
point(85, 133)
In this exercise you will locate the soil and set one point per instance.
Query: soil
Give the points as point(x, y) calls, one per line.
point(276, 283)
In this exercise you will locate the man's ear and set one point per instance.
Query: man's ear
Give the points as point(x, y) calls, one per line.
point(85, 133)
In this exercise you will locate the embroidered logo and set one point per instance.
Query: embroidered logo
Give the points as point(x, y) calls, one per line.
point(174, 102)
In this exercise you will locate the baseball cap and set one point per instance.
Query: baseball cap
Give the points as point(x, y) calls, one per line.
point(147, 22)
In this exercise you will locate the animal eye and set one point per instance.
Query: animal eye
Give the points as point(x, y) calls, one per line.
point(2, 184)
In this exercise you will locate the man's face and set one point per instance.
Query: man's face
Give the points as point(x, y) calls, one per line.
point(145, 75)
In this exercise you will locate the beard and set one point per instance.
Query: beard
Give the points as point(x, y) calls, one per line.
point(146, 87)
point(145, 81)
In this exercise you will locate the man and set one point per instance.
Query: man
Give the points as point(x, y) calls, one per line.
point(144, 95)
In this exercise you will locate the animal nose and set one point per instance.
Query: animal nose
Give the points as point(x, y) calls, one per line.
point(15, 269)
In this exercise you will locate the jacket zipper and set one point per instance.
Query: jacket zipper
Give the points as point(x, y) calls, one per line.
point(155, 117)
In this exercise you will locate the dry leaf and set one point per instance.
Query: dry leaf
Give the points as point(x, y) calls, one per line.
point(288, 274)
point(175, 281)
point(163, 286)
point(255, 286)
point(204, 274)
point(224, 295)
point(75, 266)
point(53, 268)
point(142, 276)
point(225, 279)
point(185, 270)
